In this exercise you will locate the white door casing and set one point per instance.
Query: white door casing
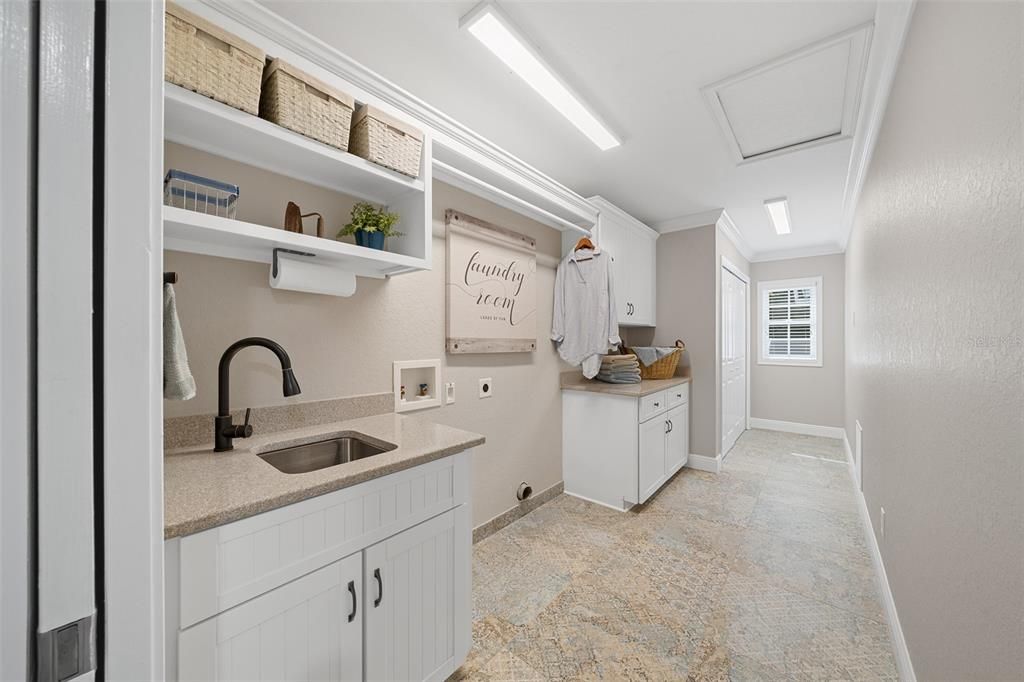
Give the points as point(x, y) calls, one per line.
point(64, 314)
point(734, 316)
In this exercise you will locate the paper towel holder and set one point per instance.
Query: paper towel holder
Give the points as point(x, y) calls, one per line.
point(273, 267)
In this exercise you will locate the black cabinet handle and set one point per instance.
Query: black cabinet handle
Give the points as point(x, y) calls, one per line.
point(671, 426)
point(352, 591)
point(380, 587)
point(667, 429)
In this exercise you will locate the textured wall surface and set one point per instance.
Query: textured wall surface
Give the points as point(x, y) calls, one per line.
point(805, 395)
point(345, 346)
point(935, 315)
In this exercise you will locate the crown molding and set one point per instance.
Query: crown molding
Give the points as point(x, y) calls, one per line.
point(803, 252)
point(892, 21)
point(689, 221)
point(729, 229)
point(604, 206)
point(443, 129)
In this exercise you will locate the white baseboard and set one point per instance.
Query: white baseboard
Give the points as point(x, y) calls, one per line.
point(796, 427)
point(899, 644)
point(705, 463)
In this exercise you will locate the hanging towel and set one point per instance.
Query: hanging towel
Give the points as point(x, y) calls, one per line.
point(585, 323)
point(178, 381)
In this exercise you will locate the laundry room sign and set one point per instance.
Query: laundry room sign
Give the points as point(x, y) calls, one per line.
point(491, 287)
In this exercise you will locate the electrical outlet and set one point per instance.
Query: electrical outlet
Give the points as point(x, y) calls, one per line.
point(449, 393)
point(486, 388)
point(881, 521)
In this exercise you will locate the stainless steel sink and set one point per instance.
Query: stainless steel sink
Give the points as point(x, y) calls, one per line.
point(327, 453)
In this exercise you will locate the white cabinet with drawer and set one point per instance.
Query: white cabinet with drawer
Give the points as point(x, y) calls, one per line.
point(618, 450)
point(371, 582)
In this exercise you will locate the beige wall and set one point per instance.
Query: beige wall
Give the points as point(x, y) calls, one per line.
point(686, 310)
point(936, 350)
point(805, 395)
point(345, 346)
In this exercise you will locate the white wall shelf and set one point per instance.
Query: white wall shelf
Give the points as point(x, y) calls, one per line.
point(205, 124)
point(214, 236)
point(412, 373)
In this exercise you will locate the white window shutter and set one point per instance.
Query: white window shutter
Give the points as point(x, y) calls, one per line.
point(789, 321)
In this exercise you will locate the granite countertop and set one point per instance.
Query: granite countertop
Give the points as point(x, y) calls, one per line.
point(574, 381)
point(204, 489)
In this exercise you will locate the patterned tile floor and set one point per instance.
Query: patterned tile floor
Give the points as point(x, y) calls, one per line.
point(758, 573)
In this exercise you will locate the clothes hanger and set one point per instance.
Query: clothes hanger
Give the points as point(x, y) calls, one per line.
point(585, 243)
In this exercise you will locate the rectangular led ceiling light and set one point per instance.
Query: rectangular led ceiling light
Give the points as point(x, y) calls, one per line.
point(778, 212)
point(496, 32)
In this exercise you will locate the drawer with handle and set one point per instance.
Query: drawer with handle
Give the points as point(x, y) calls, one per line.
point(653, 404)
point(677, 395)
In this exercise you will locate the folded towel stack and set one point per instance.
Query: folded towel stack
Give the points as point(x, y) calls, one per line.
point(619, 369)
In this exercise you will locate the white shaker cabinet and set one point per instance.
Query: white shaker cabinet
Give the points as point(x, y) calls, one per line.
point(370, 582)
point(633, 247)
point(619, 448)
point(413, 595)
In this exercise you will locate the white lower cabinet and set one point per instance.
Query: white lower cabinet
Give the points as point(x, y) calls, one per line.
point(413, 601)
point(371, 582)
point(618, 450)
point(308, 629)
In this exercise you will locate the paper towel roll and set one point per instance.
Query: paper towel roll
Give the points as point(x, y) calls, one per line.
point(304, 273)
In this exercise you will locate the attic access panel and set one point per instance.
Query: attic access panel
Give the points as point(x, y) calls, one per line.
point(804, 98)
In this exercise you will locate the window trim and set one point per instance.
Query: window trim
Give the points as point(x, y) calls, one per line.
point(762, 291)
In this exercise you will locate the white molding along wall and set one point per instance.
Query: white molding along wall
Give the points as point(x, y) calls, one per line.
point(705, 463)
point(904, 666)
point(796, 427)
point(718, 217)
point(465, 148)
point(892, 21)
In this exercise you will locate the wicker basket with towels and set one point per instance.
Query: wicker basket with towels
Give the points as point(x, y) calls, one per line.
point(663, 367)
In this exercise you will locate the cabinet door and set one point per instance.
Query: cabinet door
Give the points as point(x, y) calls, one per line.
point(613, 238)
point(642, 266)
point(677, 440)
point(652, 456)
point(308, 629)
point(418, 596)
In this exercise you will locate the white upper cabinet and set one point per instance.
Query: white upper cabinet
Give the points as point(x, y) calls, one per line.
point(632, 246)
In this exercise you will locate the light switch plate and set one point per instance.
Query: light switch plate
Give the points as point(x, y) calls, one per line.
point(449, 393)
point(486, 388)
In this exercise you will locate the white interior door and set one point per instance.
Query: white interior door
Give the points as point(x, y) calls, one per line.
point(734, 358)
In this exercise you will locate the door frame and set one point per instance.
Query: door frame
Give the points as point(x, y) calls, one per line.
point(18, 29)
point(133, 342)
point(733, 269)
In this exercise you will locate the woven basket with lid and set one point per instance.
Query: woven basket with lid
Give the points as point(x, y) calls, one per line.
point(386, 141)
point(206, 59)
point(299, 102)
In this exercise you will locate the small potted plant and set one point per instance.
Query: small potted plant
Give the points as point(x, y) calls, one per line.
point(371, 225)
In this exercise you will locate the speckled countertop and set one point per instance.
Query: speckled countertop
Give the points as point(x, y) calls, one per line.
point(204, 489)
point(574, 381)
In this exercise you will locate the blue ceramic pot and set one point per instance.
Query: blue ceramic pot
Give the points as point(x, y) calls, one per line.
point(372, 240)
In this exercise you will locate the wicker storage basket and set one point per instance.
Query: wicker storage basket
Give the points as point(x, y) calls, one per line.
point(664, 368)
point(297, 101)
point(207, 59)
point(386, 141)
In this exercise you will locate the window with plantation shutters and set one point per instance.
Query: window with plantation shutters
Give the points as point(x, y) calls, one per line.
point(790, 333)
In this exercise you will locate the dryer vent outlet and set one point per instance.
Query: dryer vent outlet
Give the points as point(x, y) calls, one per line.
point(524, 492)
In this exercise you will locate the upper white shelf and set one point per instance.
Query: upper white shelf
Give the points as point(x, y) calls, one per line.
point(213, 236)
point(208, 125)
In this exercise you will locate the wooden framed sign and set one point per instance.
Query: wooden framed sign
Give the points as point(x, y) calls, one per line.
point(491, 296)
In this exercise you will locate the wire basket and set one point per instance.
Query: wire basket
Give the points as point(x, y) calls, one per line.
point(665, 368)
point(203, 195)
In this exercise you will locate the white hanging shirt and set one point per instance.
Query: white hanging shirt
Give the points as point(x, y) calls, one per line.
point(585, 323)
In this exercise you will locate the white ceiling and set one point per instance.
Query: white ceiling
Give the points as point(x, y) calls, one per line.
point(641, 66)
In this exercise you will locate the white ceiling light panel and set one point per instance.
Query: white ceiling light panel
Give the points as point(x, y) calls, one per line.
point(492, 28)
point(778, 213)
point(807, 97)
